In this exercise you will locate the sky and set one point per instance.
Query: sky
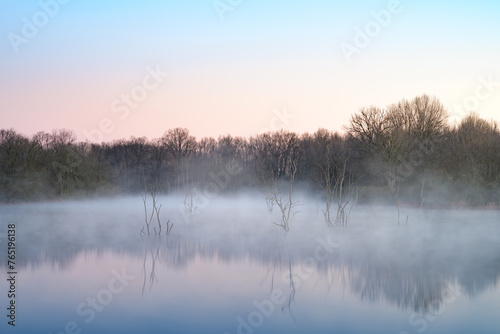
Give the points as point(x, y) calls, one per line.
point(114, 69)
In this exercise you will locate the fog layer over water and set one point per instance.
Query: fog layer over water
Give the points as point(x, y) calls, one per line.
point(436, 271)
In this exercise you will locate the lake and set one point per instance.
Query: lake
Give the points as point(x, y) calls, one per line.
point(86, 267)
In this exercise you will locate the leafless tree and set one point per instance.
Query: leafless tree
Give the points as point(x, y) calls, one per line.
point(390, 135)
point(275, 160)
point(285, 202)
point(181, 146)
point(330, 158)
point(155, 211)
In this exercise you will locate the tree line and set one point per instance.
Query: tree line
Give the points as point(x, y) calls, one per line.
point(406, 152)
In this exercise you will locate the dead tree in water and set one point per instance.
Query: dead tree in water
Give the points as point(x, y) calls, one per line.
point(275, 160)
point(331, 158)
point(147, 221)
point(155, 211)
point(346, 194)
point(284, 202)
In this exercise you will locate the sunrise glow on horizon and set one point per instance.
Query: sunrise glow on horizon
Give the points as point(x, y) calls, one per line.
point(128, 68)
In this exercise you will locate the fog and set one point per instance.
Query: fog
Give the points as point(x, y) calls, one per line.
point(405, 153)
point(409, 264)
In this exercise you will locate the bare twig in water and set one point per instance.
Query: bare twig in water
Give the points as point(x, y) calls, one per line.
point(169, 227)
point(155, 211)
point(144, 199)
point(274, 196)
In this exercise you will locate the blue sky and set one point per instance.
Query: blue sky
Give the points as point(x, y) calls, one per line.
point(231, 75)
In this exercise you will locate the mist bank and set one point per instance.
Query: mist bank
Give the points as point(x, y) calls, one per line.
point(410, 265)
point(405, 153)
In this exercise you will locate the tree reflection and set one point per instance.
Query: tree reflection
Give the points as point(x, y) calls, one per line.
point(410, 272)
point(152, 252)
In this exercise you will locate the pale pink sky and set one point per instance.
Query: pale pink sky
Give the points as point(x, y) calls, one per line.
point(234, 76)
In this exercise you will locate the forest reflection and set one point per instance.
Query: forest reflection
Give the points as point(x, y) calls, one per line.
point(408, 269)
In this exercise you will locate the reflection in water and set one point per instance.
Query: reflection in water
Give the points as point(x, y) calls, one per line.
point(415, 267)
point(418, 290)
point(291, 296)
point(152, 251)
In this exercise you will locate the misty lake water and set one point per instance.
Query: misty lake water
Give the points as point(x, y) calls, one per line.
point(84, 267)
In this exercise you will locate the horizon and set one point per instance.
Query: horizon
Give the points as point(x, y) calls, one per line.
point(139, 69)
point(282, 117)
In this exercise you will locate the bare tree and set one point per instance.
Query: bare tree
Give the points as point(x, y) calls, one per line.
point(331, 157)
point(180, 145)
point(275, 160)
point(423, 122)
point(380, 133)
point(474, 156)
point(191, 202)
point(155, 211)
point(157, 162)
point(285, 202)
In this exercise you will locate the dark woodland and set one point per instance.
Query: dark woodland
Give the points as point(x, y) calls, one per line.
point(405, 152)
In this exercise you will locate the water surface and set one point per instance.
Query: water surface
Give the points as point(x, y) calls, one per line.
point(84, 266)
